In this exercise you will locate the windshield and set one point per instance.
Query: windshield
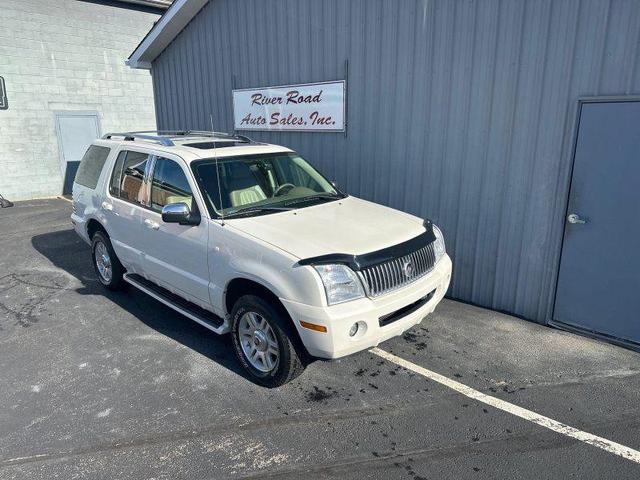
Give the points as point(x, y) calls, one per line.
point(264, 183)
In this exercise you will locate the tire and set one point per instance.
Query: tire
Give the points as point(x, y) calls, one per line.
point(110, 277)
point(268, 373)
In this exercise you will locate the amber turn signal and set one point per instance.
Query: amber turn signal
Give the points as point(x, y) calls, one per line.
point(313, 326)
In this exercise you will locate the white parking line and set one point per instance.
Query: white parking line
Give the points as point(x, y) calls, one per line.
point(551, 424)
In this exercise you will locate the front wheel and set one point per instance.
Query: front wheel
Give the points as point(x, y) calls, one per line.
point(262, 340)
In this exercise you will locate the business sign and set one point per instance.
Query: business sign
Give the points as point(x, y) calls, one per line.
point(311, 107)
point(4, 103)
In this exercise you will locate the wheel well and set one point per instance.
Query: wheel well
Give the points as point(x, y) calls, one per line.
point(242, 286)
point(93, 226)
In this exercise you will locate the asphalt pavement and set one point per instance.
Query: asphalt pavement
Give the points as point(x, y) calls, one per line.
point(103, 385)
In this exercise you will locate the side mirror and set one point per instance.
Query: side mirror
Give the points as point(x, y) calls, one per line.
point(179, 213)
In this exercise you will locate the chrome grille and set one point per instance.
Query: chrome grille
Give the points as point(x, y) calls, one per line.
point(393, 274)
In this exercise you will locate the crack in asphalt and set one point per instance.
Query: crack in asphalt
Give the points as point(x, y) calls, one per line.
point(516, 443)
point(299, 419)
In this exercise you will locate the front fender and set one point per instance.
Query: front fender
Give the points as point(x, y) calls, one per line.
point(234, 254)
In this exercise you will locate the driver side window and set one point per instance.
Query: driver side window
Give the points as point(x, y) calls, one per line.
point(169, 185)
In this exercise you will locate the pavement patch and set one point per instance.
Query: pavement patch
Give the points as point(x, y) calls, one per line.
point(23, 296)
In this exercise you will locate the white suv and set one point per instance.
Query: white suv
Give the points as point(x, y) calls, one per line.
point(248, 238)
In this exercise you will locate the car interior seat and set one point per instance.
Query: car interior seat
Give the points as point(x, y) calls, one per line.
point(242, 185)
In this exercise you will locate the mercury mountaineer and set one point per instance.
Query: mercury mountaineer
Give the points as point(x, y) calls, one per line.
point(249, 239)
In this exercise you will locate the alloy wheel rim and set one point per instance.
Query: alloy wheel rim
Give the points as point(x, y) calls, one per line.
point(103, 262)
point(258, 342)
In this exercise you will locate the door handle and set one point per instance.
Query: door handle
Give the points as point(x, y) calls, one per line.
point(575, 219)
point(107, 206)
point(151, 224)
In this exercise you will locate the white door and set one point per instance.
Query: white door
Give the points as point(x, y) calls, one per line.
point(175, 256)
point(124, 205)
point(76, 131)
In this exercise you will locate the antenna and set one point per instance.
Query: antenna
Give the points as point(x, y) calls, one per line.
point(215, 158)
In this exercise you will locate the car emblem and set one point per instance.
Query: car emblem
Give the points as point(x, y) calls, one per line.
point(407, 268)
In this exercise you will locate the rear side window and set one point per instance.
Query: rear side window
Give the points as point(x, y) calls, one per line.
point(128, 176)
point(170, 185)
point(91, 165)
point(116, 176)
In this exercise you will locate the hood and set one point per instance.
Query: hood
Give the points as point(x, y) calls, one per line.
point(351, 226)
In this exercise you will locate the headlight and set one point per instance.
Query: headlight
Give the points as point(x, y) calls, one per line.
point(341, 284)
point(438, 244)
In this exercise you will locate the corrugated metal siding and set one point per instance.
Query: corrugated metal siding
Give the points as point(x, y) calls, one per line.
point(460, 111)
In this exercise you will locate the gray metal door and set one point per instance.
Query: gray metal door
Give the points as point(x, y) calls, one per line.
point(599, 279)
point(76, 131)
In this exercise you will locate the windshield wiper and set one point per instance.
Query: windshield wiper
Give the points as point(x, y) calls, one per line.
point(253, 210)
point(319, 196)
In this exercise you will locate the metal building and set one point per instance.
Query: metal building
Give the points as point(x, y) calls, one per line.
point(466, 112)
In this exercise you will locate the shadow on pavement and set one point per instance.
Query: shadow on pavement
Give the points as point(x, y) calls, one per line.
point(68, 252)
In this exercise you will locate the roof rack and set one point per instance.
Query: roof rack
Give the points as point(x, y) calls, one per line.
point(166, 137)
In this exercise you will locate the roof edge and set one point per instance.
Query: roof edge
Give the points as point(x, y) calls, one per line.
point(159, 4)
point(170, 24)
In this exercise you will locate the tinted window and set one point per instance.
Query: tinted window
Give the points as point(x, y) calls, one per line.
point(169, 185)
point(133, 169)
point(91, 165)
point(116, 176)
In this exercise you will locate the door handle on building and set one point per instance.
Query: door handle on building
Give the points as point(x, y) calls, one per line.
point(151, 224)
point(575, 219)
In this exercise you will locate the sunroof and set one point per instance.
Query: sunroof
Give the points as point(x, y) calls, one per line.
point(210, 145)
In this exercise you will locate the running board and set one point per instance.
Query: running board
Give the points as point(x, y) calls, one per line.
point(196, 313)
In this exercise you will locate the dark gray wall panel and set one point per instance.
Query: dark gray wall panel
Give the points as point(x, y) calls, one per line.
point(461, 111)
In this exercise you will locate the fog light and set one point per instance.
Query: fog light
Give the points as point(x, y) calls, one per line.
point(353, 330)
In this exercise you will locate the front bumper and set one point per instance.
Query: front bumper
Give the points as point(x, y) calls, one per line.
point(338, 319)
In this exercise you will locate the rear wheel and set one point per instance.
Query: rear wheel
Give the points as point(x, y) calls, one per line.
point(106, 264)
point(263, 342)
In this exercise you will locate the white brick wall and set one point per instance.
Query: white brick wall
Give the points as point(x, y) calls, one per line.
point(65, 55)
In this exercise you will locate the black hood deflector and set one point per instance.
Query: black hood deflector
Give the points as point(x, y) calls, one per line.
point(359, 262)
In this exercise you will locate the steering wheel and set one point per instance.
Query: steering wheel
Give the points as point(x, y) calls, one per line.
point(279, 191)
